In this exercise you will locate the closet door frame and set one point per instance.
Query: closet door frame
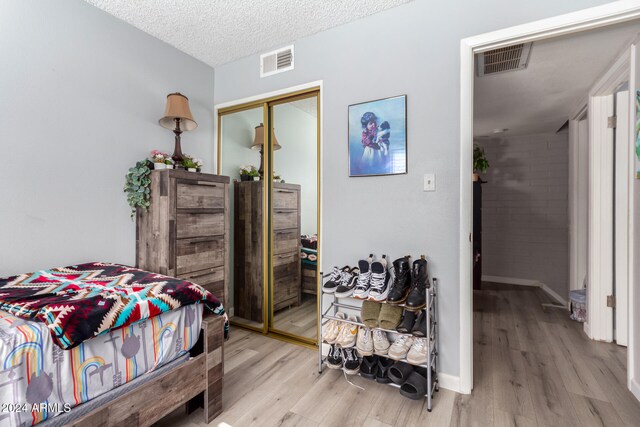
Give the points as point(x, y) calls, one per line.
point(269, 125)
point(266, 101)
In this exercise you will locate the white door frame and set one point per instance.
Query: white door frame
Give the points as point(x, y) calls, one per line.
point(599, 325)
point(576, 195)
point(608, 14)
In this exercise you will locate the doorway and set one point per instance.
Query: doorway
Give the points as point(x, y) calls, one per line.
point(571, 23)
point(270, 147)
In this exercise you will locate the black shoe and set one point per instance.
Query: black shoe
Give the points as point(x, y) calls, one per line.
point(334, 279)
point(369, 367)
point(420, 328)
point(351, 361)
point(382, 376)
point(399, 372)
point(364, 278)
point(401, 281)
point(417, 298)
point(334, 358)
point(347, 283)
point(408, 321)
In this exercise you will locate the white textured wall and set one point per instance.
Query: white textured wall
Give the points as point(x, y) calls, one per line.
point(525, 222)
point(80, 97)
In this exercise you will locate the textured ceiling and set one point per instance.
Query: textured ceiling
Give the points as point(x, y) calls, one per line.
point(220, 31)
point(561, 71)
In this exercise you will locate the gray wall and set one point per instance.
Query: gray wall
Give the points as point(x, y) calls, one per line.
point(413, 49)
point(80, 97)
point(525, 220)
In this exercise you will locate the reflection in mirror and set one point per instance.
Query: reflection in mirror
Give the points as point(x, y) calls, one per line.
point(237, 151)
point(295, 218)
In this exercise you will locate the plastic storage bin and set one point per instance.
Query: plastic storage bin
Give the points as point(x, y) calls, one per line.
point(578, 305)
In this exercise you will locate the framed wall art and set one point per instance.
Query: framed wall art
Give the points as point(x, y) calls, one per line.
point(378, 137)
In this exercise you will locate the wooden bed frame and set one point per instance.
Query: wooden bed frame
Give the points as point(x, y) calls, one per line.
point(197, 382)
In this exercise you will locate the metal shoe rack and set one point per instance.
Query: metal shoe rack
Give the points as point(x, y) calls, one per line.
point(432, 326)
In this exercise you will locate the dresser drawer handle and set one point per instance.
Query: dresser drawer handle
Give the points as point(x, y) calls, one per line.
point(285, 212)
point(195, 242)
point(284, 191)
point(195, 276)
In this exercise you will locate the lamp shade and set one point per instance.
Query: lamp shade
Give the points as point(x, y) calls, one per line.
point(178, 108)
point(259, 139)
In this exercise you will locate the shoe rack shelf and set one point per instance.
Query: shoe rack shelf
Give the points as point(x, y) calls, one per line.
point(330, 313)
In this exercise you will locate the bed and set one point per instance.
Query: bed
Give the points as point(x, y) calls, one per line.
point(107, 333)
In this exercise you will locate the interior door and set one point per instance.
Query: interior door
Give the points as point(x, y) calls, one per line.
point(622, 151)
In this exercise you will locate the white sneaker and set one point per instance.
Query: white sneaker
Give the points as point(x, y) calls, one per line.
point(364, 279)
point(400, 347)
point(380, 342)
point(364, 342)
point(418, 354)
point(380, 280)
point(348, 333)
point(332, 328)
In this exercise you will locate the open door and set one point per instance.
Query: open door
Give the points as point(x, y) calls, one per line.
point(622, 152)
point(633, 360)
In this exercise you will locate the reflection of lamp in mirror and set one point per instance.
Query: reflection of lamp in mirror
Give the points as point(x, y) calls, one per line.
point(257, 145)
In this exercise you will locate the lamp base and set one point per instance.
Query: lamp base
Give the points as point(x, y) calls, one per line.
point(177, 151)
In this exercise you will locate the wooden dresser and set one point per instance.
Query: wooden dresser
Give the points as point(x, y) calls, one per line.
point(248, 255)
point(185, 233)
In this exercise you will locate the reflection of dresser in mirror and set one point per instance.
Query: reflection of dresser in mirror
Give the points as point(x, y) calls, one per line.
point(248, 252)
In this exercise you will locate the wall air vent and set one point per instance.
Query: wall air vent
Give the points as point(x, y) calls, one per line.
point(510, 58)
point(276, 61)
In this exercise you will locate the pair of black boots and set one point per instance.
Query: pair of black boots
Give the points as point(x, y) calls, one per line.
point(409, 284)
point(414, 323)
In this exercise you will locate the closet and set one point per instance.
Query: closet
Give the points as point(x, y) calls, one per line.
point(270, 149)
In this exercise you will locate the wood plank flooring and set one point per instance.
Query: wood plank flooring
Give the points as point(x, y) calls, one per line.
point(533, 366)
point(301, 320)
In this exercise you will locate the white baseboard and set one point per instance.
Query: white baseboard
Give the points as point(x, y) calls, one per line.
point(554, 294)
point(526, 282)
point(510, 280)
point(449, 382)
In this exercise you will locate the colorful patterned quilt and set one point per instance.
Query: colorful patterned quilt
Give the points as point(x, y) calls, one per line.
point(82, 301)
point(39, 380)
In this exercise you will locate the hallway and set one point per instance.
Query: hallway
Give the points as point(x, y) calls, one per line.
point(535, 366)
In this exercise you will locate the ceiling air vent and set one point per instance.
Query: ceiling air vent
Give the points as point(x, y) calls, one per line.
point(510, 58)
point(276, 62)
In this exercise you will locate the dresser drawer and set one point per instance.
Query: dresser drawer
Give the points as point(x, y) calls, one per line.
point(211, 279)
point(199, 195)
point(286, 258)
point(285, 199)
point(284, 219)
point(199, 224)
point(199, 254)
point(286, 241)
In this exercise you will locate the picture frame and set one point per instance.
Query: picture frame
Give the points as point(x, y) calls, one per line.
point(377, 137)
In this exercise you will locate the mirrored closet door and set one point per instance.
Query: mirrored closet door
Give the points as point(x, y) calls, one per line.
point(270, 149)
point(247, 305)
point(295, 216)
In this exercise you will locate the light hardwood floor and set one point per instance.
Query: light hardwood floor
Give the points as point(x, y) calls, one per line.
point(532, 367)
point(301, 320)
